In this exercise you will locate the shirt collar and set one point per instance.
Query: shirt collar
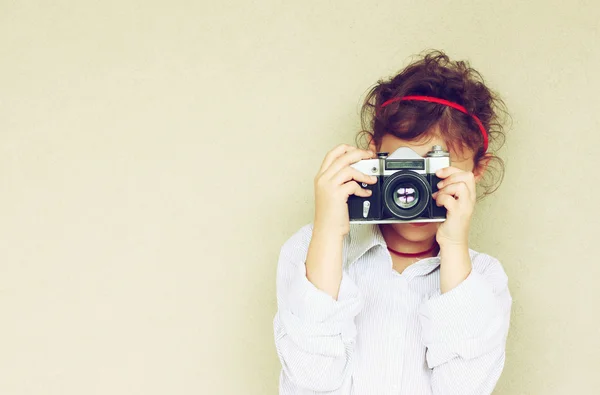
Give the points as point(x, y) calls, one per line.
point(361, 238)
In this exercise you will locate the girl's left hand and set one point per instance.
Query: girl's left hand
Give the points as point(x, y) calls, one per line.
point(457, 194)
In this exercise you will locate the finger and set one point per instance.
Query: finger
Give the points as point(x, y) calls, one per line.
point(346, 160)
point(334, 154)
point(459, 191)
point(447, 171)
point(447, 201)
point(362, 192)
point(466, 177)
point(352, 188)
point(350, 173)
point(459, 175)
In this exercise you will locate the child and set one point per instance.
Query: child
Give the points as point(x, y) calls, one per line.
point(398, 308)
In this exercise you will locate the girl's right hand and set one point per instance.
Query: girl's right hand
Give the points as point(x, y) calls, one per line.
point(334, 183)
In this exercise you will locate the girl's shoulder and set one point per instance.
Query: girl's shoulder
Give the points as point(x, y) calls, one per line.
point(360, 238)
point(299, 238)
point(488, 266)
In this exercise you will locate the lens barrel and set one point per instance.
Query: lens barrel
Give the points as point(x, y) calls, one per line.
point(406, 194)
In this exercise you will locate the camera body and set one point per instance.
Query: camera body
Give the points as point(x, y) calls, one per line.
point(405, 183)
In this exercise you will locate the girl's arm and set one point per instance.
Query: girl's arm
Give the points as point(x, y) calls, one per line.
point(314, 326)
point(324, 261)
point(465, 326)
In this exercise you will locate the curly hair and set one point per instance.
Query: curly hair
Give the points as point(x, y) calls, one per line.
point(434, 74)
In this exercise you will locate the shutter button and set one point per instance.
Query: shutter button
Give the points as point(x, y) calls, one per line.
point(366, 207)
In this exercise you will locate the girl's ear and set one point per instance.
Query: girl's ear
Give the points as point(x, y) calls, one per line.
point(481, 168)
point(372, 145)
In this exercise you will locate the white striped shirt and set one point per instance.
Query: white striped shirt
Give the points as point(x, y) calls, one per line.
point(388, 333)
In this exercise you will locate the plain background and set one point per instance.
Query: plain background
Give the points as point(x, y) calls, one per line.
point(155, 155)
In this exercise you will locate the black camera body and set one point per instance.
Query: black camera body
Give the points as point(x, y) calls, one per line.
point(405, 183)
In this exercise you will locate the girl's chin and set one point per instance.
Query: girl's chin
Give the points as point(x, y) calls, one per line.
point(416, 231)
point(416, 225)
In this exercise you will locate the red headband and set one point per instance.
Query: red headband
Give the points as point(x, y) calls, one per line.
point(446, 103)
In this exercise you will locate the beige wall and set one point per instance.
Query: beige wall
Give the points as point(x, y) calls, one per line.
point(155, 155)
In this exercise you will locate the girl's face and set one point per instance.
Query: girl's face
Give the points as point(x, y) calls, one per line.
point(462, 160)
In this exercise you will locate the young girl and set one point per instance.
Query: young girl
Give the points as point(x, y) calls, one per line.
point(398, 308)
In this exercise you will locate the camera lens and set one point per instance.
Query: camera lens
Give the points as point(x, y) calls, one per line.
point(406, 195)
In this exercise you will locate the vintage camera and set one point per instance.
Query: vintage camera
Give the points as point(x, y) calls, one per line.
point(405, 182)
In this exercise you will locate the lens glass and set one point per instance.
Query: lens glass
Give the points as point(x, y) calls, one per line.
point(406, 195)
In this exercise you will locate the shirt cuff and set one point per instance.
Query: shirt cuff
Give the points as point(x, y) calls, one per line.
point(313, 318)
point(461, 322)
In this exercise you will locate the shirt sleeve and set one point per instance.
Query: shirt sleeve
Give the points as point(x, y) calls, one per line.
point(465, 331)
point(314, 333)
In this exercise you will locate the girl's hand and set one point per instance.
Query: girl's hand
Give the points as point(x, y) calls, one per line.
point(334, 183)
point(457, 194)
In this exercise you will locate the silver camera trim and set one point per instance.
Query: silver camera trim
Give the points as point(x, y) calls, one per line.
point(395, 221)
point(436, 159)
